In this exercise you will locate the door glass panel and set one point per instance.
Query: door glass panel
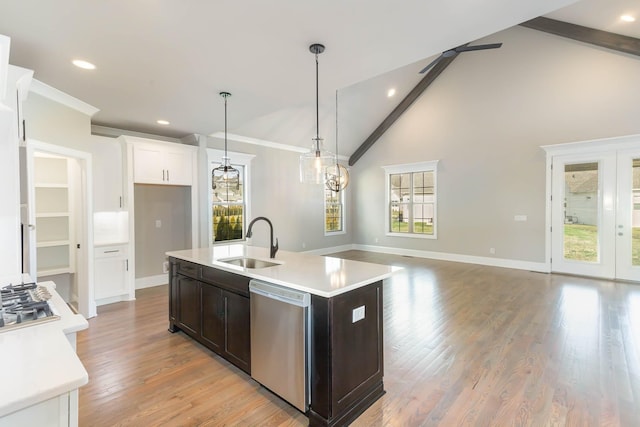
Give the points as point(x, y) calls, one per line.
point(581, 212)
point(635, 215)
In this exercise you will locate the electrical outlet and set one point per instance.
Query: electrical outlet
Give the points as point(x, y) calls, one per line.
point(492, 251)
point(357, 314)
point(304, 245)
point(165, 267)
point(158, 223)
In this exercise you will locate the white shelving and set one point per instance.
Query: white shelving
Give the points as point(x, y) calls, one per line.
point(53, 216)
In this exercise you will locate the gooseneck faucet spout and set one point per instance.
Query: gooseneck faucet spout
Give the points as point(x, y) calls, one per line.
point(272, 248)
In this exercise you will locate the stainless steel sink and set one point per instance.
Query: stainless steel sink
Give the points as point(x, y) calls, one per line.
point(250, 262)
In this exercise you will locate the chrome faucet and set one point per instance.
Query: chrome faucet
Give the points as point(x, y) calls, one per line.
point(272, 249)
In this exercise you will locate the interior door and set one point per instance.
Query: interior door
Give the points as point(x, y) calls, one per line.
point(596, 214)
point(583, 214)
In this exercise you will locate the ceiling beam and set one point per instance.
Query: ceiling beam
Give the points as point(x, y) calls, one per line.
point(600, 38)
point(402, 107)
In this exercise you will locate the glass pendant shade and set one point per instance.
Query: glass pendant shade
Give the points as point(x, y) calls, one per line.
point(313, 164)
point(225, 176)
point(336, 177)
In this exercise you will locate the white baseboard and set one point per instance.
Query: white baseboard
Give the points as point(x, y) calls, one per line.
point(111, 300)
point(151, 281)
point(540, 267)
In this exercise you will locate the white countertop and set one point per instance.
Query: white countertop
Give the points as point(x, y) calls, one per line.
point(319, 275)
point(38, 361)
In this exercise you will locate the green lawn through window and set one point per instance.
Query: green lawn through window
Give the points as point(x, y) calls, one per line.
point(581, 243)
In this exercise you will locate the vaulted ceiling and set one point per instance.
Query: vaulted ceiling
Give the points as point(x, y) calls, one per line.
point(168, 60)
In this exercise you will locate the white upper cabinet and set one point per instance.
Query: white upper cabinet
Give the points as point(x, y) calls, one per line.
point(162, 162)
point(108, 188)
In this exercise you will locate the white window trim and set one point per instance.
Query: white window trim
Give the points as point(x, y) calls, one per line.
point(344, 215)
point(214, 158)
point(409, 168)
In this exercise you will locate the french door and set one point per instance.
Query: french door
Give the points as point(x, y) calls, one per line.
point(595, 214)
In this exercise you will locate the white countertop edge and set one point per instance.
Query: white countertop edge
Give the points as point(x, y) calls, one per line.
point(255, 273)
point(23, 348)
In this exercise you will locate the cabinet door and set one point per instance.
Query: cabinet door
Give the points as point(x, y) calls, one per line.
point(212, 317)
point(110, 272)
point(189, 305)
point(148, 164)
point(237, 330)
point(107, 175)
point(179, 167)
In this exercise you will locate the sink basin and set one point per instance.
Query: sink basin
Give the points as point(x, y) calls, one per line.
point(249, 262)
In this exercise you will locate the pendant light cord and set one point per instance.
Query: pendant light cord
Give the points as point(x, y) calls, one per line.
point(225, 126)
point(317, 109)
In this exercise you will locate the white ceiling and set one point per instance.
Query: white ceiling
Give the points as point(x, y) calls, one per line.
point(166, 59)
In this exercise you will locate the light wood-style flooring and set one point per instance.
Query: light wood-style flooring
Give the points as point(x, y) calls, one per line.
point(464, 345)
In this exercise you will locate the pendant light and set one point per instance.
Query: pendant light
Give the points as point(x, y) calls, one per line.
point(336, 175)
point(313, 164)
point(225, 176)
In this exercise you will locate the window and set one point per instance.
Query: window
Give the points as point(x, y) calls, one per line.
point(229, 206)
point(411, 200)
point(333, 212)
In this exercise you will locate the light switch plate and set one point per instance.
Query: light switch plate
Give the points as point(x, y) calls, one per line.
point(520, 218)
point(357, 314)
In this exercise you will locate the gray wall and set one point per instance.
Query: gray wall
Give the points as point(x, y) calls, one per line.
point(485, 121)
point(171, 204)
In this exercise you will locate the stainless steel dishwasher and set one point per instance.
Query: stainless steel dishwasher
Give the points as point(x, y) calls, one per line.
point(280, 341)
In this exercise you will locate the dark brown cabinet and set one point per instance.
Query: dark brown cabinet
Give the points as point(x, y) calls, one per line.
point(212, 306)
point(188, 304)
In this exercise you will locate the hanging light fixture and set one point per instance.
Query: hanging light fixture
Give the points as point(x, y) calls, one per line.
point(336, 175)
point(225, 176)
point(314, 163)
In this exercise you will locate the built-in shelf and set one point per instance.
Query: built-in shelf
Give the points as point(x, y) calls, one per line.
point(54, 271)
point(52, 215)
point(53, 185)
point(52, 243)
point(54, 234)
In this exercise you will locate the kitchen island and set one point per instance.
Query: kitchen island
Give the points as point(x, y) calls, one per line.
point(209, 300)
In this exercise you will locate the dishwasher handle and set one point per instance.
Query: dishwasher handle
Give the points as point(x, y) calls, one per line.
point(280, 293)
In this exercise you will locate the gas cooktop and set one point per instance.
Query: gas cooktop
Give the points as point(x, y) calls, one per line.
point(25, 304)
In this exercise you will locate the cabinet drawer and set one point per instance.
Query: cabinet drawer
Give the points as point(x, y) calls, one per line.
point(109, 252)
point(189, 269)
point(233, 282)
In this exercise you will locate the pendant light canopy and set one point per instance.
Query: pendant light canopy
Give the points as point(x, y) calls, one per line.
point(336, 175)
point(225, 176)
point(314, 163)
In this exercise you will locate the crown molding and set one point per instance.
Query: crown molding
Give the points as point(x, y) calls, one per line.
point(63, 98)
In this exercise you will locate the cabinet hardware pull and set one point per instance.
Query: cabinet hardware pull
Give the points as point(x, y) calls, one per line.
point(121, 201)
point(126, 261)
point(111, 252)
point(167, 174)
point(163, 174)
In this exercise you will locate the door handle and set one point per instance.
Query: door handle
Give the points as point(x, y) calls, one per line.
point(620, 234)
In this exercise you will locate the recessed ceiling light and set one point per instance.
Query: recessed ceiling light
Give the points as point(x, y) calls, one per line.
point(391, 92)
point(627, 18)
point(83, 64)
point(162, 122)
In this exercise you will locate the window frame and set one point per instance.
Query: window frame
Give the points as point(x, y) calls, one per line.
point(214, 158)
point(410, 168)
point(343, 229)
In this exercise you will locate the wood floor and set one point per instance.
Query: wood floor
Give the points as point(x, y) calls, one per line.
point(464, 345)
